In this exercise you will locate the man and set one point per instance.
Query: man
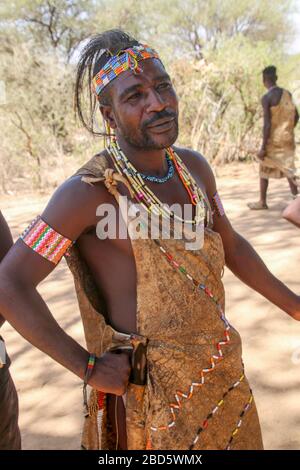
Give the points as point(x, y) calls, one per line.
point(277, 153)
point(187, 387)
point(10, 438)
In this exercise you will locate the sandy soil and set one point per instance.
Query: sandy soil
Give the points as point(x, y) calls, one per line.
point(50, 396)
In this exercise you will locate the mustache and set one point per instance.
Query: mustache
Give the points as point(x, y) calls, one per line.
point(160, 115)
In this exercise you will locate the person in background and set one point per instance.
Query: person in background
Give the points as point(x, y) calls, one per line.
point(277, 153)
point(10, 438)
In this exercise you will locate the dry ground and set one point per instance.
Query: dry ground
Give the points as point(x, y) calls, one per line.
point(50, 397)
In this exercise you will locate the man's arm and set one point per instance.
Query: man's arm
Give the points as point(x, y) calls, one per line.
point(6, 242)
point(296, 112)
point(71, 210)
point(296, 117)
point(266, 126)
point(240, 256)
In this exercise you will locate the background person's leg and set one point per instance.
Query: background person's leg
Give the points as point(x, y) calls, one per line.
point(262, 203)
point(264, 183)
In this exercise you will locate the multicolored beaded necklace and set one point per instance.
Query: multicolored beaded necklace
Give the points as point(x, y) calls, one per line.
point(147, 198)
point(161, 179)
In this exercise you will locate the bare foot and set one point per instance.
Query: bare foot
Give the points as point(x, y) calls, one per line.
point(257, 206)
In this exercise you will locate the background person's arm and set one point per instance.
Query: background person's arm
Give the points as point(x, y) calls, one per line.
point(71, 210)
point(266, 126)
point(296, 117)
point(296, 111)
point(6, 242)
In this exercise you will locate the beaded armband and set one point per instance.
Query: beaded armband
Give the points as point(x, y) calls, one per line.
point(217, 205)
point(45, 241)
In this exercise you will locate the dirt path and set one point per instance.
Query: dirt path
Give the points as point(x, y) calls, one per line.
point(50, 397)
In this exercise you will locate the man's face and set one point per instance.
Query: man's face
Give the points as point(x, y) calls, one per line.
point(144, 107)
point(265, 81)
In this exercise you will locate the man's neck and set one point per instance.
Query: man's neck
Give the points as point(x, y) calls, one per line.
point(272, 85)
point(152, 161)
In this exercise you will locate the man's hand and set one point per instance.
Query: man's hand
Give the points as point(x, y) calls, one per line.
point(111, 373)
point(294, 312)
point(261, 154)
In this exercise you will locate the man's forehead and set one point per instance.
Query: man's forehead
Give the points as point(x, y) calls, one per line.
point(153, 69)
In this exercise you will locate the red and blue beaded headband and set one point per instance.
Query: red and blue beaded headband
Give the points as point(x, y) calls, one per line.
point(117, 64)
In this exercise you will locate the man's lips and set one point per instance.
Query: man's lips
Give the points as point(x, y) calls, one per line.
point(162, 124)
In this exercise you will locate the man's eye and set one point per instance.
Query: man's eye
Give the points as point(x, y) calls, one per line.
point(134, 96)
point(164, 85)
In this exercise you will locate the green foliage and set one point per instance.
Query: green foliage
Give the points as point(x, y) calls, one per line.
point(214, 50)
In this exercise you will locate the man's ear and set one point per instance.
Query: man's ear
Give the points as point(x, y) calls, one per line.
point(108, 115)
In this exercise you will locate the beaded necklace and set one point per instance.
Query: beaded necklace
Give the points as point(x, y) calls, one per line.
point(161, 179)
point(143, 194)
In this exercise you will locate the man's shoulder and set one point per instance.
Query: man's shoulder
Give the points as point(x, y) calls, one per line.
point(193, 159)
point(198, 166)
point(95, 166)
point(275, 93)
point(87, 181)
point(72, 208)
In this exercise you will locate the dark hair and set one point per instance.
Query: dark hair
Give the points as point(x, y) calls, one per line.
point(270, 73)
point(92, 58)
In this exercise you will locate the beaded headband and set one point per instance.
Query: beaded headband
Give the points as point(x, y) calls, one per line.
point(125, 60)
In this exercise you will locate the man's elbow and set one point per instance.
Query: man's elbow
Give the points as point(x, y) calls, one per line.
point(10, 288)
point(7, 283)
point(232, 249)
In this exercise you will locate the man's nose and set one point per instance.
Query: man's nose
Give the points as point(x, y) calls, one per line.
point(155, 102)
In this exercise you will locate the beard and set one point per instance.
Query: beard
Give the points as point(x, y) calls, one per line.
point(143, 139)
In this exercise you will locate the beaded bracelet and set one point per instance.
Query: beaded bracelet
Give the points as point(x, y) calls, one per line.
point(87, 376)
point(217, 205)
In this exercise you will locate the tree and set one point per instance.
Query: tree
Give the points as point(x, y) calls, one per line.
point(58, 24)
point(214, 50)
point(195, 25)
